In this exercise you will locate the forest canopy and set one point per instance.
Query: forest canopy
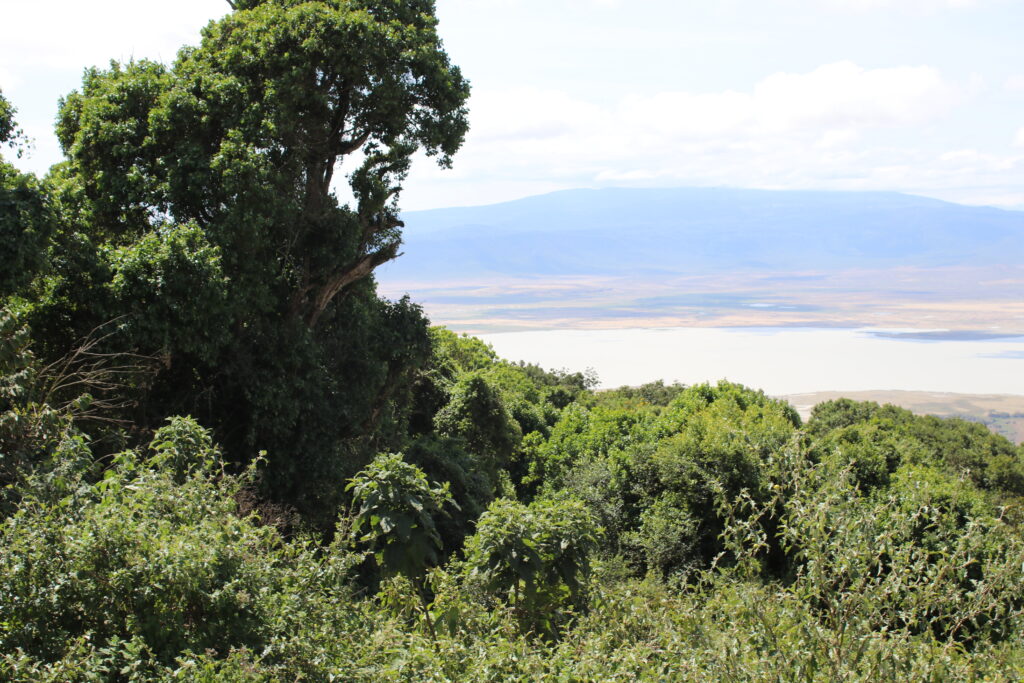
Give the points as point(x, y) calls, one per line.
point(224, 457)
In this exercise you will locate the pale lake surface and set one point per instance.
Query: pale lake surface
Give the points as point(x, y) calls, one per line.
point(781, 360)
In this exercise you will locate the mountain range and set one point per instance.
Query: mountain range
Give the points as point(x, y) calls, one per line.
point(622, 231)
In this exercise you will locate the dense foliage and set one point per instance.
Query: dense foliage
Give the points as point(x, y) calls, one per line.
point(224, 457)
point(196, 209)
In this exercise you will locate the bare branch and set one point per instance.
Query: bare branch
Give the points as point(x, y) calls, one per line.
point(106, 377)
point(355, 271)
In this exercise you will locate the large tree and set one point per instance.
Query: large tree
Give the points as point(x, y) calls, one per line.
point(198, 202)
point(244, 134)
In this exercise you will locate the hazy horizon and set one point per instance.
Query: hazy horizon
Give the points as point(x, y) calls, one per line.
point(727, 188)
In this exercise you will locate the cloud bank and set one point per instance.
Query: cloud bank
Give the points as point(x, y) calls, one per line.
point(839, 126)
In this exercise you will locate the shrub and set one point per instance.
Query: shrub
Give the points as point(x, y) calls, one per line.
point(536, 557)
point(146, 554)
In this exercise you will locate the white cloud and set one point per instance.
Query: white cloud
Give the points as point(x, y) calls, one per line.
point(823, 110)
point(844, 94)
point(973, 161)
point(836, 138)
point(835, 99)
point(840, 126)
point(528, 113)
point(1014, 84)
point(1018, 140)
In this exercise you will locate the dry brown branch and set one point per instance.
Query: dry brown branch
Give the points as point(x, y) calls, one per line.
point(109, 379)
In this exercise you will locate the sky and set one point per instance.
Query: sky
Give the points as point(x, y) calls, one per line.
point(918, 96)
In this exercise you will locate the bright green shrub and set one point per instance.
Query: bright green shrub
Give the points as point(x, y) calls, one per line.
point(700, 396)
point(584, 434)
point(723, 450)
point(655, 393)
point(669, 535)
point(844, 412)
point(926, 556)
point(611, 487)
point(654, 479)
point(394, 509)
point(963, 448)
point(183, 448)
point(144, 553)
point(872, 451)
point(535, 557)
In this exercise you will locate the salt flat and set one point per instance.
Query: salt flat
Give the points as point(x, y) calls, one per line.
point(780, 361)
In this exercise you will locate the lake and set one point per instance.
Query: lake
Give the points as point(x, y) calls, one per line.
point(781, 360)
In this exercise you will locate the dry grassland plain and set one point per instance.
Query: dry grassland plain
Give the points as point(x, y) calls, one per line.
point(956, 299)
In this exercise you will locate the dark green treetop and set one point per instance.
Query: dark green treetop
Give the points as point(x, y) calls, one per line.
point(25, 213)
point(244, 134)
point(7, 129)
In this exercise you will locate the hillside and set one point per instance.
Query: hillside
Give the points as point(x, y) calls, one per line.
point(227, 455)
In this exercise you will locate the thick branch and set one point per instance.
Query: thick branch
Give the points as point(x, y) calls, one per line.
point(349, 146)
point(357, 270)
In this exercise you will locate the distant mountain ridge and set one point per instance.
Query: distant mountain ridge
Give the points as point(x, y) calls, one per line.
point(622, 231)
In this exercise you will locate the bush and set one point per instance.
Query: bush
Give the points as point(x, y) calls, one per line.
point(394, 508)
point(150, 552)
point(534, 557)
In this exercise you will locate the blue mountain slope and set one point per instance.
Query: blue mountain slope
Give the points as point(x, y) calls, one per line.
point(700, 230)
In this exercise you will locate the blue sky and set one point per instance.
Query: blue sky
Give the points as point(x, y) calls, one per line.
point(921, 96)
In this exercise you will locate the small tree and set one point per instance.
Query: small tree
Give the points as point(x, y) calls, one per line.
point(395, 519)
point(536, 556)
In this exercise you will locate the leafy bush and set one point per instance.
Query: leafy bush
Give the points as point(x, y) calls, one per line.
point(150, 552)
point(446, 461)
point(962, 447)
point(394, 509)
point(926, 557)
point(477, 414)
point(536, 557)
